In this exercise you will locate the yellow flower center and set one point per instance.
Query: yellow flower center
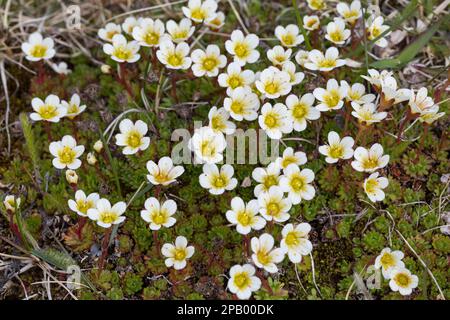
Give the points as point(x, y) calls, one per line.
point(299, 111)
point(220, 181)
point(122, 53)
point(263, 257)
point(402, 280)
point(235, 81)
point(317, 4)
point(210, 63)
point(208, 148)
point(244, 218)
point(151, 38)
point(48, 111)
point(273, 209)
point(73, 108)
point(350, 14)
point(198, 13)
point(241, 50)
point(180, 34)
point(66, 155)
point(370, 163)
point(108, 217)
point(161, 177)
point(366, 115)
point(353, 95)
point(217, 123)
point(297, 183)
point(288, 39)
point(159, 217)
point(292, 239)
point(374, 32)
point(310, 23)
point(336, 36)
point(84, 206)
point(237, 107)
point(134, 139)
point(271, 120)
point(180, 254)
point(242, 280)
point(287, 161)
point(270, 180)
point(327, 63)
point(332, 98)
point(272, 88)
point(371, 186)
point(38, 51)
point(336, 151)
point(111, 34)
point(175, 60)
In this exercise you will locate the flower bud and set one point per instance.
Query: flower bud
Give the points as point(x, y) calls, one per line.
point(91, 159)
point(72, 177)
point(106, 69)
point(98, 146)
point(11, 203)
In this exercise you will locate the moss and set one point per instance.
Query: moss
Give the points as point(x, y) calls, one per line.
point(132, 283)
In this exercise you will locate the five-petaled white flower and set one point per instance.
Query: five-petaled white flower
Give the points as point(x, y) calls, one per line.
point(177, 253)
point(278, 55)
point(218, 121)
point(264, 255)
point(49, 110)
point(38, 48)
point(217, 181)
point(273, 205)
point(302, 57)
point(357, 93)
point(149, 32)
point(132, 136)
point(245, 216)
point(295, 77)
point(159, 215)
point(420, 102)
point(331, 98)
point(274, 120)
point(129, 24)
point(403, 281)
point(317, 4)
point(388, 261)
point(273, 83)
point(367, 113)
point(311, 23)
point(109, 31)
point(207, 62)
point(267, 177)
point(243, 281)
point(61, 68)
point(350, 13)
point(242, 103)
point(121, 50)
point(430, 115)
point(336, 31)
point(181, 31)
point(295, 241)
point(73, 107)
point(243, 48)
point(199, 11)
point(298, 158)
point(289, 36)
point(174, 57)
point(374, 30)
point(391, 94)
point(82, 204)
point(235, 77)
point(301, 110)
point(297, 183)
point(207, 145)
point(106, 215)
point(163, 173)
point(374, 185)
point(66, 153)
point(319, 61)
point(369, 160)
point(376, 78)
point(217, 22)
point(337, 148)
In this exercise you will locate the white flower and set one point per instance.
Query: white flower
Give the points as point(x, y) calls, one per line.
point(319, 61)
point(295, 241)
point(298, 158)
point(207, 145)
point(61, 68)
point(278, 56)
point(11, 203)
point(376, 78)
point(235, 77)
point(199, 11)
point(208, 62)
point(273, 83)
point(295, 77)
point(388, 261)
point(73, 107)
point(51, 110)
point(177, 254)
point(374, 28)
point(245, 216)
point(390, 93)
point(336, 32)
point(218, 121)
point(181, 31)
point(297, 183)
point(302, 57)
point(242, 104)
point(357, 93)
point(82, 204)
point(331, 98)
point(106, 215)
point(311, 22)
point(243, 281)
point(217, 22)
point(164, 172)
point(430, 115)
point(174, 57)
point(275, 120)
point(264, 255)
point(121, 50)
point(289, 36)
point(159, 215)
point(350, 13)
point(420, 102)
point(38, 48)
point(374, 185)
point(336, 148)
point(316, 4)
point(129, 24)
point(109, 31)
point(273, 205)
point(217, 181)
point(132, 136)
point(403, 281)
point(243, 48)
point(267, 177)
point(367, 113)
point(301, 110)
point(369, 160)
point(66, 153)
point(149, 32)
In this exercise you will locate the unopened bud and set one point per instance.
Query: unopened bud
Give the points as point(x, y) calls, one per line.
point(72, 177)
point(106, 69)
point(91, 159)
point(11, 203)
point(98, 146)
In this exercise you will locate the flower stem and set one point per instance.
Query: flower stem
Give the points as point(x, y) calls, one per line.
point(48, 130)
point(81, 224)
point(124, 80)
point(300, 24)
point(105, 243)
